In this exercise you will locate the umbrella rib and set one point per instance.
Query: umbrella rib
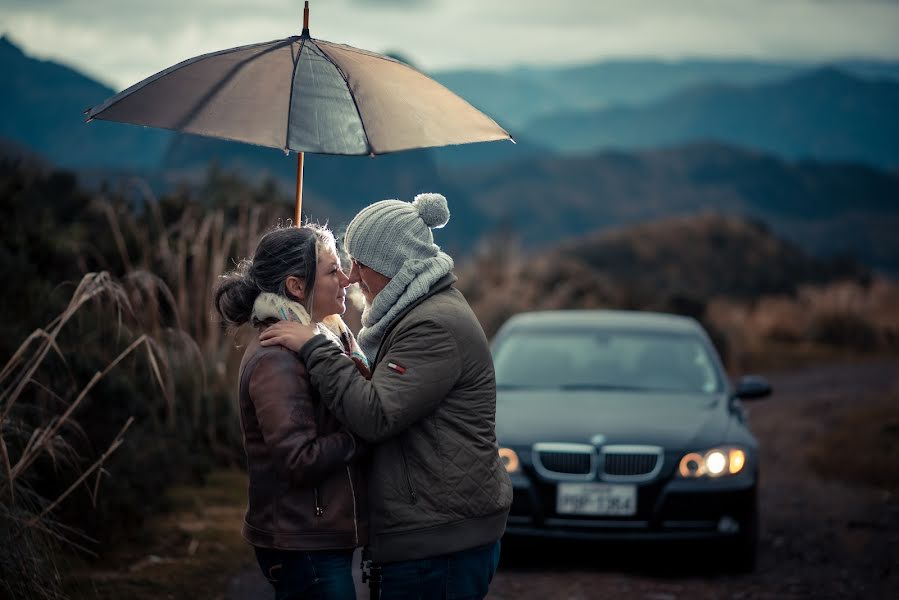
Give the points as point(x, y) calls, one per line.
point(293, 81)
point(368, 145)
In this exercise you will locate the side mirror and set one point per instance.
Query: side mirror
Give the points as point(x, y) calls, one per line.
point(752, 386)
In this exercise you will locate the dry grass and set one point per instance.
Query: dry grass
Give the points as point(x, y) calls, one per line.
point(170, 257)
point(31, 431)
point(187, 256)
point(844, 320)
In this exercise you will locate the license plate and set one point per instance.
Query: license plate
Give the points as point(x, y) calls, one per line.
point(596, 499)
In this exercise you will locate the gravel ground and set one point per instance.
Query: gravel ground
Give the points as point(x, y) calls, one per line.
point(819, 539)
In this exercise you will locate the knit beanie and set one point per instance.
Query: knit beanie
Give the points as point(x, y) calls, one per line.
point(384, 235)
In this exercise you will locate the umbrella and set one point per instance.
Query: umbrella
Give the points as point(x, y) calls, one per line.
point(304, 95)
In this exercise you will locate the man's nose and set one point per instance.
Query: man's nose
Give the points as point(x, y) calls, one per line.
point(354, 274)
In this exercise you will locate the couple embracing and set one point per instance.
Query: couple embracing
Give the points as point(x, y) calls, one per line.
point(388, 442)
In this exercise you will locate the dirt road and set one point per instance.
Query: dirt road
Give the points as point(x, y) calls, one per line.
point(819, 538)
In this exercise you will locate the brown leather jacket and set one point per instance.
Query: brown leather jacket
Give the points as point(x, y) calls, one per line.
point(305, 490)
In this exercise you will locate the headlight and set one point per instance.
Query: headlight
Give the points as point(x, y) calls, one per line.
point(717, 462)
point(509, 458)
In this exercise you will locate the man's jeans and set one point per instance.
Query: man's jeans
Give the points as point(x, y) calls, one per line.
point(313, 575)
point(464, 575)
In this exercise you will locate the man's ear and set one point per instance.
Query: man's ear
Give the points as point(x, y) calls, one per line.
point(296, 287)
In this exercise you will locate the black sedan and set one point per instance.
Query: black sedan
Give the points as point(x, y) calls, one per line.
point(623, 425)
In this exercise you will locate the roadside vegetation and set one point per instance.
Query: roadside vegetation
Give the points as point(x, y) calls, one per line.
point(116, 399)
point(766, 304)
point(861, 444)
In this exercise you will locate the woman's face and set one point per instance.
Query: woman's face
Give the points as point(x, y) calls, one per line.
point(329, 292)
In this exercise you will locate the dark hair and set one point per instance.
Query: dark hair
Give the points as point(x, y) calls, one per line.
point(280, 253)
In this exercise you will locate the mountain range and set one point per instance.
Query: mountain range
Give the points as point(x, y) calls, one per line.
point(824, 114)
point(42, 104)
point(812, 152)
point(827, 208)
point(795, 110)
point(519, 96)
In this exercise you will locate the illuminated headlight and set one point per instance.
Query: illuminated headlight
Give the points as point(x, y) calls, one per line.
point(509, 458)
point(717, 462)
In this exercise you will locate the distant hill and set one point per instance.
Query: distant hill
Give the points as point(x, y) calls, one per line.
point(517, 96)
point(41, 106)
point(825, 114)
point(676, 264)
point(704, 256)
point(828, 209)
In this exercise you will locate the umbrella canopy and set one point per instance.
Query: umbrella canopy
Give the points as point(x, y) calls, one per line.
point(304, 95)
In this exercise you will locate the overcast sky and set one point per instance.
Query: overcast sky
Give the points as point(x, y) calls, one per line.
point(122, 41)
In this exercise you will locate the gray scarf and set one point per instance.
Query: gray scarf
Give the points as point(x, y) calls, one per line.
point(411, 283)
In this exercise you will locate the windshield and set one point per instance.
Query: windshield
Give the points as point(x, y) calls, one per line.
point(619, 360)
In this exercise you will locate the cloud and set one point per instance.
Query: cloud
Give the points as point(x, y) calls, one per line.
point(123, 41)
point(401, 3)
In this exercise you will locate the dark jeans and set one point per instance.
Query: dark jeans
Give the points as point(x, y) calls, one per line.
point(314, 575)
point(464, 575)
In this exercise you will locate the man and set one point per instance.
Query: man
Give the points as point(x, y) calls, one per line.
point(438, 492)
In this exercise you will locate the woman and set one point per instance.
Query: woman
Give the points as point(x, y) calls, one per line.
point(306, 513)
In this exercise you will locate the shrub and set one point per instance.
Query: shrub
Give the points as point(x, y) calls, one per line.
point(49, 458)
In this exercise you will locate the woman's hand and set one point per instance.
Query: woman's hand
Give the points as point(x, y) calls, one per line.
point(290, 334)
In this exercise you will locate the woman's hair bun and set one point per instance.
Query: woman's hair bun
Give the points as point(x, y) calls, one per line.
point(433, 209)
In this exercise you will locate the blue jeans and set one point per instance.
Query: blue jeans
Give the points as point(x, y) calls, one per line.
point(464, 575)
point(324, 575)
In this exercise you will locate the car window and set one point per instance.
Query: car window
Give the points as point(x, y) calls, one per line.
point(607, 360)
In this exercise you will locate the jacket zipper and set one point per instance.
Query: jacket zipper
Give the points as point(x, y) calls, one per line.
point(319, 511)
point(408, 477)
point(353, 493)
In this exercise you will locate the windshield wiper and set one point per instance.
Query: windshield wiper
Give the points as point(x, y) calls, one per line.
point(605, 386)
point(521, 386)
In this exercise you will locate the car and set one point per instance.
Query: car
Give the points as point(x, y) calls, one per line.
point(623, 425)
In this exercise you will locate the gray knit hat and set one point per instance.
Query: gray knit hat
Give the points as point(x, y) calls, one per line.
point(384, 235)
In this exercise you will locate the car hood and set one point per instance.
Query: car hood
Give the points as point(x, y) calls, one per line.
point(670, 420)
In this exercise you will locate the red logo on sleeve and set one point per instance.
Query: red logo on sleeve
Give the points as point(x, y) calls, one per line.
point(398, 368)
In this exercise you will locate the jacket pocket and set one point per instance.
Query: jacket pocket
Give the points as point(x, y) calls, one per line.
point(408, 475)
point(319, 509)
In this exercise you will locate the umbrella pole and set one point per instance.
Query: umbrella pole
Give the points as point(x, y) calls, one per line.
point(298, 207)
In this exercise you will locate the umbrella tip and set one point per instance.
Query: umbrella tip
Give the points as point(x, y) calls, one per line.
point(305, 19)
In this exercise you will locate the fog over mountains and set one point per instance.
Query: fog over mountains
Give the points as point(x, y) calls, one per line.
point(825, 114)
point(811, 151)
point(519, 96)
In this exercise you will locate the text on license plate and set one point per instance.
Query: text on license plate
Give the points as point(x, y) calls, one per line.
point(596, 499)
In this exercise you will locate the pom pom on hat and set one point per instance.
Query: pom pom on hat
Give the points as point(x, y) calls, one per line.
point(433, 209)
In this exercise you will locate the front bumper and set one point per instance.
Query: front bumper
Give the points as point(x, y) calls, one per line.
point(667, 509)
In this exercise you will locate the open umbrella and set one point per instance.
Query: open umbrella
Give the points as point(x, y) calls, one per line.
point(303, 95)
